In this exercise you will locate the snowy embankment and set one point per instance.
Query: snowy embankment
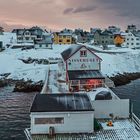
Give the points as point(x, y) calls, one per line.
point(112, 63)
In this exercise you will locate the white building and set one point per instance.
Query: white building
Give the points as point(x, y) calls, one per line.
point(65, 113)
point(81, 68)
point(132, 40)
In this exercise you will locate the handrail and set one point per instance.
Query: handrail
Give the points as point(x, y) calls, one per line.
point(44, 89)
point(28, 134)
point(136, 121)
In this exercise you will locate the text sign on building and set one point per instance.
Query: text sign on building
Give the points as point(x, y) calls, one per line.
point(86, 61)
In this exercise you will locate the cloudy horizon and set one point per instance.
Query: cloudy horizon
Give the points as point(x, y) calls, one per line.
point(60, 14)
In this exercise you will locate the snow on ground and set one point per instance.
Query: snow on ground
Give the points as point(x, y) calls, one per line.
point(111, 64)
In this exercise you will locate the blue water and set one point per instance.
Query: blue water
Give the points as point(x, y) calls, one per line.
point(14, 109)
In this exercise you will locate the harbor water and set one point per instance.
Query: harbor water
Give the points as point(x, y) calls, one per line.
point(14, 109)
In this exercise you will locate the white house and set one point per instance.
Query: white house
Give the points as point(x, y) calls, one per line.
point(132, 40)
point(65, 113)
point(81, 68)
point(34, 36)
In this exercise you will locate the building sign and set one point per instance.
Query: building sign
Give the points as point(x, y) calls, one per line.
point(84, 60)
point(83, 66)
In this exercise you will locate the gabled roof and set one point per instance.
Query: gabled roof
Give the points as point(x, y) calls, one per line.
point(61, 103)
point(66, 54)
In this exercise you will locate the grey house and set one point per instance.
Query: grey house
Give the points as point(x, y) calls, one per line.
point(103, 38)
point(34, 35)
point(82, 36)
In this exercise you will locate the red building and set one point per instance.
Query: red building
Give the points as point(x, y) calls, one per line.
point(82, 68)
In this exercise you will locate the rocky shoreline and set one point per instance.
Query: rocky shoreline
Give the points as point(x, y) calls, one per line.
point(125, 78)
point(30, 86)
point(21, 85)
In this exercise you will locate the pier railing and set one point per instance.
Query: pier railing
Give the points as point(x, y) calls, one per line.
point(28, 134)
point(136, 121)
point(44, 89)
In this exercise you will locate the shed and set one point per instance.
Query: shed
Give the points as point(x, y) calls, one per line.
point(66, 113)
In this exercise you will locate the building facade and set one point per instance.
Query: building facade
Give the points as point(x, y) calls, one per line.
point(63, 37)
point(34, 35)
point(64, 113)
point(119, 40)
point(103, 38)
point(132, 40)
point(81, 68)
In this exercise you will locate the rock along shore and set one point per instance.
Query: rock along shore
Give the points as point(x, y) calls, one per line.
point(30, 86)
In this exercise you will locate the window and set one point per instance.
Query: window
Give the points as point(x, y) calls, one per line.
point(68, 40)
point(127, 38)
point(20, 38)
point(132, 43)
point(137, 39)
point(137, 43)
point(127, 43)
point(132, 38)
point(83, 53)
point(49, 120)
point(60, 40)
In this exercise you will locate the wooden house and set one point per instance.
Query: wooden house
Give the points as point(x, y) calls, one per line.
point(81, 67)
point(118, 40)
point(63, 37)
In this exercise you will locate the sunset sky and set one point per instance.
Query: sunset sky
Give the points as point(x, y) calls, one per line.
point(59, 14)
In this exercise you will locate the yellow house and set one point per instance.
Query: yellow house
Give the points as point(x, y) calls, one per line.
point(63, 37)
point(118, 40)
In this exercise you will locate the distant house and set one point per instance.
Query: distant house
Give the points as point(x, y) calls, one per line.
point(63, 37)
point(103, 38)
point(82, 36)
point(131, 28)
point(119, 40)
point(132, 40)
point(34, 35)
point(61, 113)
point(81, 68)
point(114, 29)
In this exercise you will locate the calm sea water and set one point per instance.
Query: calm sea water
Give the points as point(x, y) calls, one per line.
point(14, 114)
point(14, 109)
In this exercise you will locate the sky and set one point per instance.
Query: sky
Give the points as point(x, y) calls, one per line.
point(60, 14)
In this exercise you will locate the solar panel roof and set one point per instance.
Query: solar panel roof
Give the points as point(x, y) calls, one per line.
point(61, 103)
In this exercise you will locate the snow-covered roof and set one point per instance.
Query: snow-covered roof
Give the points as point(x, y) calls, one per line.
point(73, 49)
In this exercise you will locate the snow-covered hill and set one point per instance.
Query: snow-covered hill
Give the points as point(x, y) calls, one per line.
point(112, 64)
